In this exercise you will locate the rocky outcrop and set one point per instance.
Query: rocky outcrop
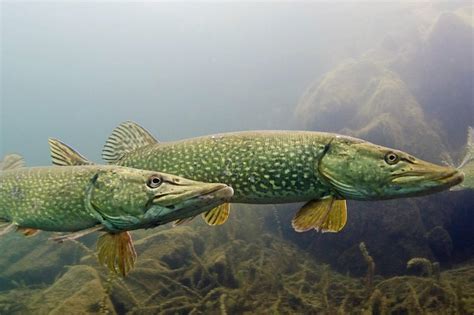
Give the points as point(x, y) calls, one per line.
point(441, 75)
point(367, 100)
point(413, 91)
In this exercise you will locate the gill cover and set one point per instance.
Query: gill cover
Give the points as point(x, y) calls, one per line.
point(116, 196)
point(357, 169)
point(337, 169)
point(120, 198)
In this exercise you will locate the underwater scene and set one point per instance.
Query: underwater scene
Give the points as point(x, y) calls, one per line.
point(237, 157)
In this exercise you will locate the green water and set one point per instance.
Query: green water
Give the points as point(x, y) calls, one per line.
point(396, 74)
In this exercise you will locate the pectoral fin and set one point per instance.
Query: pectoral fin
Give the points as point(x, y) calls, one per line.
point(327, 215)
point(76, 235)
point(116, 251)
point(182, 221)
point(218, 215)
point(27, 231)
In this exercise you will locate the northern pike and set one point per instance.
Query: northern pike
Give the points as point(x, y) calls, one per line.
point(323, 169)
point(81, 198)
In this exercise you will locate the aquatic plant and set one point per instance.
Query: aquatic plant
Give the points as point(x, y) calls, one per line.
point(424, 264)
point(194, 270)
point(370, 266)
point(377, 303)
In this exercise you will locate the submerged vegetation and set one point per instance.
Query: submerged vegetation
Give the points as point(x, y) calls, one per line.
point(224, 270)
point(413, 256)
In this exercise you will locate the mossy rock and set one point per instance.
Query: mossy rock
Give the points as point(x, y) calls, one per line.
point(367, 100)
point(266, 274)
point(36, 259)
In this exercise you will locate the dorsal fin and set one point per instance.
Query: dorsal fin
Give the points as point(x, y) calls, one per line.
point(11, 161)
point(63, 155)
point(127, 137)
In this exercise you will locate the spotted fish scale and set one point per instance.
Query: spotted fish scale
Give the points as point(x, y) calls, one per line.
point(262, 167)
point(79, 197)
point(47, 198)
point(323, 169)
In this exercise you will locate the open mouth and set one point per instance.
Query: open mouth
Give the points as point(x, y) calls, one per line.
point(454, 178)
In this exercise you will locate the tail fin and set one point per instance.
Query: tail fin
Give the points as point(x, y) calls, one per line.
point(127, 137)
point(11, 162)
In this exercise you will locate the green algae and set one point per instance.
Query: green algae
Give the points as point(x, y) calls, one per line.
point(197, 269)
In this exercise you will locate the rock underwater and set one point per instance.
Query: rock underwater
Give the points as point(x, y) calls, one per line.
point(405, 93)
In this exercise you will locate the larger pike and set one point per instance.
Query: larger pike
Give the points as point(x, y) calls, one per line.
point(84, 198)
point(323, 169)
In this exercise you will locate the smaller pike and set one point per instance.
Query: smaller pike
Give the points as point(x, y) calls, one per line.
point(82, 198)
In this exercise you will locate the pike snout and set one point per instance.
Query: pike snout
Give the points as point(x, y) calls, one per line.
point(429, 176)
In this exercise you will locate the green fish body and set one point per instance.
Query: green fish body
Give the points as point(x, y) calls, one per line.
point(262, 167)
point(73, 198)
point(48, 198)
point(80, 197)
point(323, 169)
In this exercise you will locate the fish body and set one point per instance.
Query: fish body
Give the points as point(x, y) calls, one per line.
point(289, 166)
point(262, 167)
point(323, 169)
point(73, 198)
point(48, 198)
point(81, 198)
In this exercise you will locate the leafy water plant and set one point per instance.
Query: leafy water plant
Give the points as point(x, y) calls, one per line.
point(196, 270)
point(425, 265)
point(370, 266)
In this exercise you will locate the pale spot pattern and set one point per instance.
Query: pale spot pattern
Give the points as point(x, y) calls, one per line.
point(262, 167)
point(48, 197)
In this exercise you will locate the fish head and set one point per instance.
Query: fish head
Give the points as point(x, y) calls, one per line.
point(360, 170)
point(128, 198)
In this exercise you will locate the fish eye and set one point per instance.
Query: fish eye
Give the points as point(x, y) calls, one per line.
point(154, 181)
point(391, 158)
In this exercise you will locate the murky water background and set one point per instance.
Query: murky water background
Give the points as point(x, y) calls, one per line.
point(397, 74)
